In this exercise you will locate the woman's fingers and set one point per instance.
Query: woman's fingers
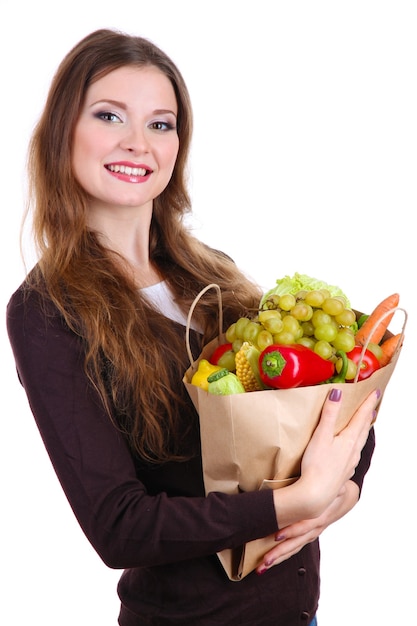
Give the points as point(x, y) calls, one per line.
point(290, 541)
point(293, 538)
point(361, 420)
point(329, 414)
point(358, 427)
point(330, 460)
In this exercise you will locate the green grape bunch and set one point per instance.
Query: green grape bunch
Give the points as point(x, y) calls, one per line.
point(316, 319)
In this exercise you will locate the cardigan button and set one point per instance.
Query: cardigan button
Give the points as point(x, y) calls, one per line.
point(302, 571)
point(305, 615)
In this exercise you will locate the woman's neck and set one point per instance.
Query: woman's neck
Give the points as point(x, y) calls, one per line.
point(127, 234)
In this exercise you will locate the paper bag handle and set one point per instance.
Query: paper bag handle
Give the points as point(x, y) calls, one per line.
point(374, 327)
point(191, 311)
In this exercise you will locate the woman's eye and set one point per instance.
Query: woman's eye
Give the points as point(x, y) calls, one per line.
point(162, 126)
point(107, 116)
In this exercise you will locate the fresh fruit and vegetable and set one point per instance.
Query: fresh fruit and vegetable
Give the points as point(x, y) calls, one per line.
point(223, 383)
point(285, 367)
point(381, 316)
point(247, 367)
point(200, 377)
point(306, 333)
point(388, 348)
point(367, 362)
point(301, 282)
point(224, 356)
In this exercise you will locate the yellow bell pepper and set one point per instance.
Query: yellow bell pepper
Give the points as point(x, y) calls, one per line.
point(205, 368)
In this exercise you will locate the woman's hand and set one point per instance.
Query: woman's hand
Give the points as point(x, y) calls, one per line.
point(293, 538)
point(329, 461)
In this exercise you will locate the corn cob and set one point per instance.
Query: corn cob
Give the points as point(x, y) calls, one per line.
point(247, 367)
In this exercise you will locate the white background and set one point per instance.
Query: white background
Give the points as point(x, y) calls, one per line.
point(304, 159)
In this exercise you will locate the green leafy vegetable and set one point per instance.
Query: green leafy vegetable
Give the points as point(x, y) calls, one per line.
point(299, 282)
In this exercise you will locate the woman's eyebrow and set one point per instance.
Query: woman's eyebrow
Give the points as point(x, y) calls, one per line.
point(116, 103)
point(124, 106)
point(165, 111)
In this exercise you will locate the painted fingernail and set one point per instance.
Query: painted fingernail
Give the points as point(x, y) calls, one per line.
point(279, 537)
point(378, 393)
point(269, 562)
point(261, 571)
point(335, 395)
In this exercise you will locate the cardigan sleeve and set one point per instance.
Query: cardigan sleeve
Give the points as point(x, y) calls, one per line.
point(126, 525)
point(365, 460)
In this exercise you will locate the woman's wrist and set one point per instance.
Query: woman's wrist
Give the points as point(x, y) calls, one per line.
point(298, 501)
point(301, 501)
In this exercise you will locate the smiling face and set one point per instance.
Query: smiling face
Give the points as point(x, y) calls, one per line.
point(125, 141)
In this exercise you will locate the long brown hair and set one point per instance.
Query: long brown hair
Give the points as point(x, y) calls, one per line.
point(134, 355)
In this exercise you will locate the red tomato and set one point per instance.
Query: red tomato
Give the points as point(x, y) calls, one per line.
point(224, 356)
point(368, 365)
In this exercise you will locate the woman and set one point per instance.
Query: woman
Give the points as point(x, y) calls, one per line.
point(97, 330)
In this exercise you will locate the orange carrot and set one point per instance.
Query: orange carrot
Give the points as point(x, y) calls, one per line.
point(388, 348)
point(376, 318)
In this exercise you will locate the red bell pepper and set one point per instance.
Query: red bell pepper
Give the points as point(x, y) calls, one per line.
point(224, 356)
point(368, 365)
point(288, 366)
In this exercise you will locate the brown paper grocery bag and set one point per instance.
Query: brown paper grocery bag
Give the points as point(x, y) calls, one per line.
point(256, 440)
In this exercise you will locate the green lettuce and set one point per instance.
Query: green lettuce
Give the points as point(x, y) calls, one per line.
point(297, 282)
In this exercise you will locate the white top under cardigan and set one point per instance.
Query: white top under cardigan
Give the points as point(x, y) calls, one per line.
point(162, 298)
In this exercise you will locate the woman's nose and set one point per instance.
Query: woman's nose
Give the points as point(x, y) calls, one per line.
point(135, 140)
